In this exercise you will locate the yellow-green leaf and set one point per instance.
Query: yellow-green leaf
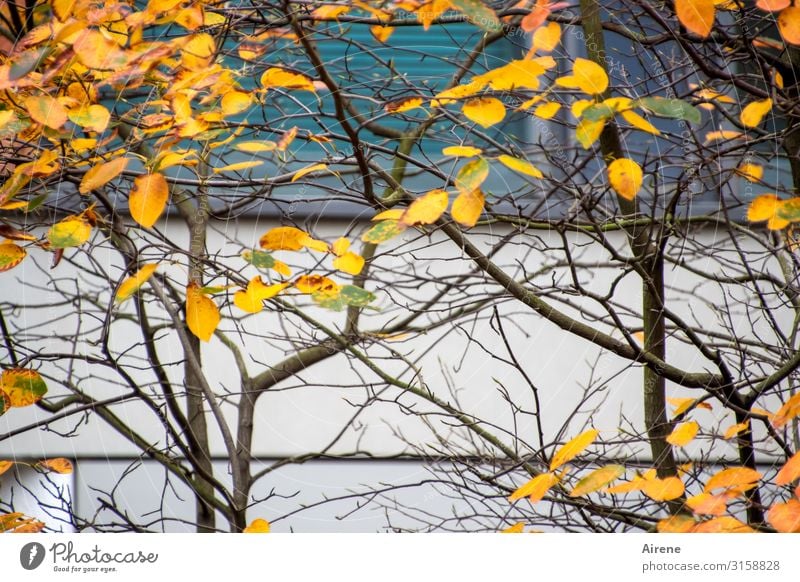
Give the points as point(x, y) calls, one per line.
point(133, 283)
point(625, 177)
point(521, 166)
point(22, 387)
point(683, 434)
point(597, 479)
point(91, 117)
point(467, 208)
point(202, 314)
point(73, 231)
point(426, 209)
point(587, 76)
point(383, 231)
point(11, 255)
point(536, 488)
point(46, 110)
point(472, 175)
point(485, 111)
point(238, 166)
point(754, 112)
point(148, 198)
point(587, 132)
point(307, 170)
point(573, 448)
point(102, 174)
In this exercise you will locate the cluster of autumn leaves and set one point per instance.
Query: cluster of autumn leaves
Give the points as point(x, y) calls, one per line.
point(704, 512)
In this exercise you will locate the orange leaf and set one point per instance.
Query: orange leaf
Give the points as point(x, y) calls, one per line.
point(11, 255)
point(773, 5)
point(536, 488)
point(518, 527)
point(46, 110)
point(696, 15)
point(707, 504)
point(663, 489)
point(789, 410)
point(257, 526)
point(289, 238)
point(573, 448)
point(785, 517)
point(426, 209)
point(789, 24)
point(275, 77)
point(679, 523)
point(5, 465)
point(60, 465)
point(735, 429)
point(148, 199)
point(202, 314)
point(789, 472)
point(732, 477)
point(102, 174)
point(625, 177)
point(724, 524)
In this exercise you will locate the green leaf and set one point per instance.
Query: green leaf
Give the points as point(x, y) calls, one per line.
point(22, 387)
point(259, 259)
point(598, 112)
point(790, 210)
point(26, 62)
point(383, 231)
point(348, 295)
point(478, 14)
point(671, 108)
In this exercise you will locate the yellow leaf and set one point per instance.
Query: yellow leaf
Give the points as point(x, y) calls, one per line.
point(573, 448)
point(521, 166)
point(315, 284)
point(663, 489)
point(684, 404)
point(517, 74)
point(735, 429)
point(202, 314)
point(403, 105)
point(238, 166)
point(579, 106)
point(457, 92)
point(340, 246)
point(467, 208)
point(696, 15)
point(790, 471)
point(133, 283)
point(536, 488)
point(349, 263)
point(381, 33)
point(726, 135)
point(73, 231)
point(330, 11)
point(289, 238)
point(426, 209)
point(11, 255)
point(97, 52)
point(518, 527)
point(102, 174)
point(597, 479)
point(60, 465)
point(252, 299)
point(198, 53)
point(546, 38)
point(391, 214)
point(587, 76)
point(22, 387)
point(257, 526)
point(640, 122)
point(683, 434)
point(789, 24)
point(547, 110)
point(766, 207)
point(625, 177)
point(307, 170)
point(46, 110)
point(751, 172)
point(587, 132)
point(785, 517)
point(148, 199)
point(275, 77)
point(754, 112)
point(732, 477)
point(92, 117)
point(234, 102)
point(485, 111)
point(256, 146)
point(461, 151)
